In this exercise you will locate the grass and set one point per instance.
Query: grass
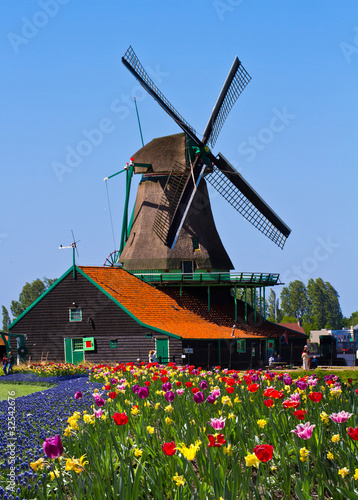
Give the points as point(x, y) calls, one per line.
point(17, 390)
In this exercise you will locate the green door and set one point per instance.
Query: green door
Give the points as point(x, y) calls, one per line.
point(162, 350)
point(74, 351)
point(77, 351)
point(68, 350)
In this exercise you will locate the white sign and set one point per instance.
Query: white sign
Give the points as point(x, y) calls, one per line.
point(188, 350)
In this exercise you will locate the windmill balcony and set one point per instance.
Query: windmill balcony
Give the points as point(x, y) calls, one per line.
point(212, 278)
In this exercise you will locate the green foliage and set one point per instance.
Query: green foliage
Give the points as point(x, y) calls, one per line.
point(28, 295)
point(294, 300)
point(316, 305)
point(288, 319)
point(5, 319)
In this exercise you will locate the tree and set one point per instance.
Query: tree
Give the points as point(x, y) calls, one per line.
point(271, 306)
point(294, 300)
point(351, 320)
point(324, 310)
point(5, 319)
point(28, 295)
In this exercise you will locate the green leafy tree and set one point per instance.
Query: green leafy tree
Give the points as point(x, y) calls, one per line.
point(351, 320)
point(5, 319)
point(271, 306)
point(28, 295)
point(324, 310)
point(294, 300)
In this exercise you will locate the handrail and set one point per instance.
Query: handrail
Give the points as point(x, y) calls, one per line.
point(212, 277)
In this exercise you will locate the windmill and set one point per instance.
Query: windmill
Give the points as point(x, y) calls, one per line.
point(172, 226)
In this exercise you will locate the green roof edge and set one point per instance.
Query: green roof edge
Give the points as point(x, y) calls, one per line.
point(41, 297)
point(124, 308)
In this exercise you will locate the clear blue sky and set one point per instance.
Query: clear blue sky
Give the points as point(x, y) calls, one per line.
point(62, 77)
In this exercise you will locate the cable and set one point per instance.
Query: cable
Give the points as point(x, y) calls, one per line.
point(110, 215)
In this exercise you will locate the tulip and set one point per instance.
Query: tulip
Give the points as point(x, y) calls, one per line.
point(304, 431)
point(340, 417)
point(53, 446)
point(217, 423)
point(78, 395)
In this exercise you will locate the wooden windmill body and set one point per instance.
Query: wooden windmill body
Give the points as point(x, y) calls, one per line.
point(198, 246)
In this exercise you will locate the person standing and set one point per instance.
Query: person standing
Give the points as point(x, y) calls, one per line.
point(10, 362)
point(4, 363)
point(152, 356)
point(305, 358)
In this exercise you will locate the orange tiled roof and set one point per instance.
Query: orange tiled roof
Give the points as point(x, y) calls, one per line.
point(157, 309)
point(186, 315)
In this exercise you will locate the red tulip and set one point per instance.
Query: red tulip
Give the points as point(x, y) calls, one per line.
point(353, 433)
point(315, 397)
point(120, 418)
point(217, 441)
point(169, 448)
point(263, 452)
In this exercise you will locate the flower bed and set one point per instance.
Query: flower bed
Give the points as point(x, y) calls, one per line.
point(154, 432)
point(54, 369)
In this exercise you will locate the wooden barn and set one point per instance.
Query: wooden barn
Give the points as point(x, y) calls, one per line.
point(106, 314)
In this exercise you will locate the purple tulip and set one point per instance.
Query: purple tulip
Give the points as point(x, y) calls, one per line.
point(143, 392)
point(301, 384)
point(203, 385)
point(99, 402)
point(78, 395)
point(254, 377)
point(169, 396)
point(135, 388)
point(53, 446)
point(166, 386)
point(211, 399)
point(198, 397)
point(287, 380)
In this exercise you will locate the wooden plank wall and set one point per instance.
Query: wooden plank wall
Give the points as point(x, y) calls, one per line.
point(47, 324)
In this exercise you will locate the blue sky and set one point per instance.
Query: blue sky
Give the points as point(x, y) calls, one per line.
point(62, 79)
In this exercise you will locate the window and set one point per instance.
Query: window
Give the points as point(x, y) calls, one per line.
point(196, 246)
point(75, 314)
point(77, 344)
point(241, 345)
point(113, 343)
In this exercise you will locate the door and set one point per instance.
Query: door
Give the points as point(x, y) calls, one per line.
point(188, 269)
point(74, 351)
point(162, 350)
point(77, 351)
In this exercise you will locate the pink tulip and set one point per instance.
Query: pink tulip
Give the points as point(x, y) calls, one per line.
point(304, 431)
point(217, 423)
point(340, 417)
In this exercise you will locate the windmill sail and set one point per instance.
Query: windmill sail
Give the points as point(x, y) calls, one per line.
point(224, 178)
point(238, 192)
point(235, 83)
point(131, 61)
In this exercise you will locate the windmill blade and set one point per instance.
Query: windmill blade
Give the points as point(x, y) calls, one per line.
point(235, 83)
point(184, 203)
point(132, 63)
point(74, 243)
point(233, 187)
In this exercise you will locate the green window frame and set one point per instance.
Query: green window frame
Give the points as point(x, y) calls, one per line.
point(77, 344)
point(113, 343)
point(241, 345)
point(75, 314)
point(195, 242)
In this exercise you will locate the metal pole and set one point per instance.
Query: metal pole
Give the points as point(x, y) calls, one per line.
point(245, 304)
point(235, 299)
point(140, 128)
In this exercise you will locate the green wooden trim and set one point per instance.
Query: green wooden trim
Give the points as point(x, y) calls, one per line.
point(41, 297)
point(124, 308)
